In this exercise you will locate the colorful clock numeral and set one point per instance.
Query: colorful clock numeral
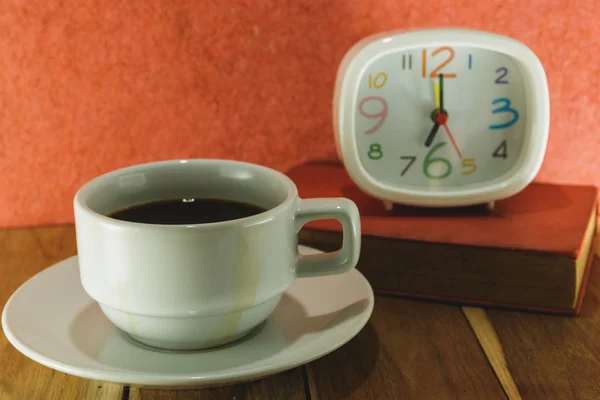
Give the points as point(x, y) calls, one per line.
point(470, 164)
point(504, 108)
point(379, 81)
point(380, 116)
point(443, 160)
point(437, 70)
point(434, 167)
point(375, 152)
point(430, 161)
point(411, 160)
point(503, 71)
point(501, 151)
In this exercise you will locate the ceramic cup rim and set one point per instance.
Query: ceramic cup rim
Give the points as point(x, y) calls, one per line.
point(87, 188)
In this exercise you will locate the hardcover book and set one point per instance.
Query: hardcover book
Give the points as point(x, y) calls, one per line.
point(531, 251)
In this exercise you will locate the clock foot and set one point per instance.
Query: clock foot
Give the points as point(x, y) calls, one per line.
point(388, 205)
point(490, 205)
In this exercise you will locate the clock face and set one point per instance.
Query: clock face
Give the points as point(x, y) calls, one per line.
point(440, 117)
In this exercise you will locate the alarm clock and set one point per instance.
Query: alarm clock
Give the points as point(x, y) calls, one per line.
point(441, 117)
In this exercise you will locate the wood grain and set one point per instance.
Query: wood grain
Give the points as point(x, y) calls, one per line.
point(552, 357)
point(287, 385)
point(23, 253)
point(98, 390)
point(488, 339)
point(408, 350)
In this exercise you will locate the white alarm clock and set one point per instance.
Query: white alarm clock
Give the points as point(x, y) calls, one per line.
point(441, 117)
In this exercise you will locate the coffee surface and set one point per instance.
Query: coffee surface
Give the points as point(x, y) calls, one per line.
point(187, 211)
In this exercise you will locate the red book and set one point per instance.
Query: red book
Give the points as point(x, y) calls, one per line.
point(532, 251)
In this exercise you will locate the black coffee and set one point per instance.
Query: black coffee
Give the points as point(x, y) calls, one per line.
point(186, 211)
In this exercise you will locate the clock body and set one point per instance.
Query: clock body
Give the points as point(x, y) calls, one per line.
point(441, 117)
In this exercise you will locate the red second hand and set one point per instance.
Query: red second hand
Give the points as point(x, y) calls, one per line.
point(452, 140)
point(442, 119)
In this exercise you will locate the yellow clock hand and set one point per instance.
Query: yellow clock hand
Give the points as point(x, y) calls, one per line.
point(439, 116)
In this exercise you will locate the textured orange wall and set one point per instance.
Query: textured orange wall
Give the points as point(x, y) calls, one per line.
point(89, 86)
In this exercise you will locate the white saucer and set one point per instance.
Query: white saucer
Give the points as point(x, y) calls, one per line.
point(53, 321)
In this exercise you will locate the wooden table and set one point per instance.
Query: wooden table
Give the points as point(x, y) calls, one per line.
point(408, 350)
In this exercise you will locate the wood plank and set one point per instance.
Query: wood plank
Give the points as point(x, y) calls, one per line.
point(409, 349)
point(23, 253)
point(488, 339)
point(553, 357)
point(98, 390)
point(287, 385)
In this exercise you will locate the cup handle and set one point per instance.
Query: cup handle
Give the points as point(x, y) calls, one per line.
point(336, 262)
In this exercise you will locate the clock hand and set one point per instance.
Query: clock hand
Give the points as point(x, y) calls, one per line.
point(439, 115)
point(442, 116)
point(441, 105)
point(432, 133)
point(439, 118)
point(452, 139)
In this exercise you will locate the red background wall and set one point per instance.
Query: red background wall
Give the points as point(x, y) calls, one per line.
point(90, 86)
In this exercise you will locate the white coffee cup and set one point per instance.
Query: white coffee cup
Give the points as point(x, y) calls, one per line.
point(200, 285)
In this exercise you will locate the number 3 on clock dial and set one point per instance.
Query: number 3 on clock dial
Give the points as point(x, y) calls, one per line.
point(504, 108)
